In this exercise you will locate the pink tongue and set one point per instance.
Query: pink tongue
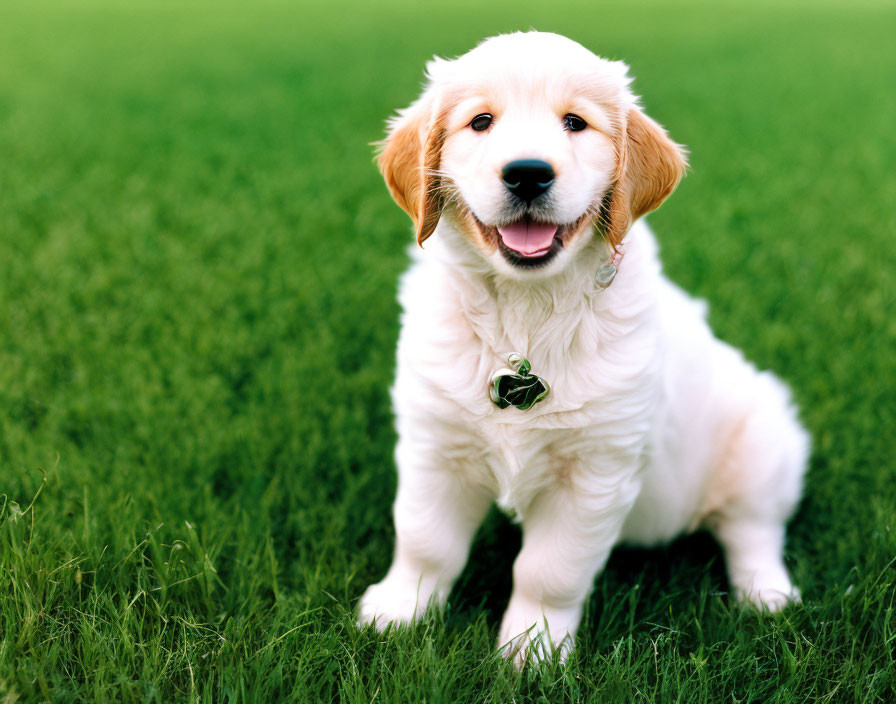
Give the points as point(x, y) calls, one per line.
point(528, 238)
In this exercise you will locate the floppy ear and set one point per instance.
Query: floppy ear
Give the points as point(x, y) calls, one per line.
point(649, 168)
point(409, 162)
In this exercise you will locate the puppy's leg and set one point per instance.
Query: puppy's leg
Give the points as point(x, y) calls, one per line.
point(756, 490)
point(568, 533)
point(753, 553)
point(437, 511)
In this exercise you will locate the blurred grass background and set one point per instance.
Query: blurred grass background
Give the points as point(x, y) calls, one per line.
point(198, 264)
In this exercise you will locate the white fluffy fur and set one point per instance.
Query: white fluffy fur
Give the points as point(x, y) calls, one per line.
point(653, 427)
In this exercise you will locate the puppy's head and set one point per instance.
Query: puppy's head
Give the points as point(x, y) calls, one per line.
point(528, 145)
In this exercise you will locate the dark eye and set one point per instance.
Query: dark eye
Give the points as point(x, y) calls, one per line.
point(481, 123)
point(573, 123)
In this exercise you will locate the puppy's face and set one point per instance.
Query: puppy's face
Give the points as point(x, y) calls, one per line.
point(528, 145)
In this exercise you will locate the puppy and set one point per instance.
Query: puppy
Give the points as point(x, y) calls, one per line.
point(546, 363)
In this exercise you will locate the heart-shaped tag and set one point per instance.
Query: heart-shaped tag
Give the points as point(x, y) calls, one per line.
point(516, 386)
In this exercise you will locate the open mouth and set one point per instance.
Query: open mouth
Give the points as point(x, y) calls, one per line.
point(528, 243)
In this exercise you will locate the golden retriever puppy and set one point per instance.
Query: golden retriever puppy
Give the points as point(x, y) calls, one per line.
point(546, 363)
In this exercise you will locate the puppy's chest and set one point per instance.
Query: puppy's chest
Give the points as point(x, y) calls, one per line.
point(587, 411)
point(598, 368)
point(522, 459)
point(576, 369)
point(516, 386)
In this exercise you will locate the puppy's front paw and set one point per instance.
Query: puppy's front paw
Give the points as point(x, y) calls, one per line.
point(391, 602)
point(770, 593)
point(532, 633)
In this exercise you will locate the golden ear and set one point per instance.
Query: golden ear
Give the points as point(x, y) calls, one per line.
point(650, 167)
point(409, 162)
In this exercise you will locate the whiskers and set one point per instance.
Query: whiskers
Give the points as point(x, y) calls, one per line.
point(443, 186)
point(599, 214)
point(442, 180)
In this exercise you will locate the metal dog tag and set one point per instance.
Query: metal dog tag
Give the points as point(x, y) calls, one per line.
point(517, 386)
point(605, 276)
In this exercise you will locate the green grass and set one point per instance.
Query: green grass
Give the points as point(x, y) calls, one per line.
point(198, 264)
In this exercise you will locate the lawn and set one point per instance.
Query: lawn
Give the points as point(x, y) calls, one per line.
point(198, 267)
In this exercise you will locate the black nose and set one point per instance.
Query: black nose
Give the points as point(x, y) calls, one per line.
point(527, 178)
